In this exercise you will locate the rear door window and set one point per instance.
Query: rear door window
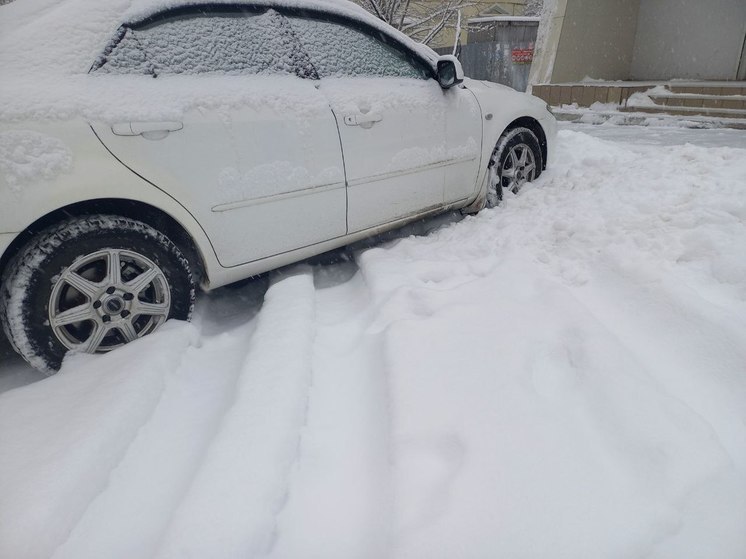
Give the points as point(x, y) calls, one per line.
point(208, 42)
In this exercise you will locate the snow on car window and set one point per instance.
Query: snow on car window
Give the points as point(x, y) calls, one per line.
point(224, 43)
point(338, 50)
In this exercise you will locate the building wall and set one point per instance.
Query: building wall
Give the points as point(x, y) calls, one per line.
point(547, 40)
point(678, 39)
point(597, 40)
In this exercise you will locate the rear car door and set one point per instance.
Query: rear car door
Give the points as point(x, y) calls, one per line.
point(232, 130)
point(392, 118)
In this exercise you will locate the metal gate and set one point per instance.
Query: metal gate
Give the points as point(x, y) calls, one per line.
point(499, 50)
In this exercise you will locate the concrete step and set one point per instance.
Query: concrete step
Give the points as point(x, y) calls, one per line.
point(712, 112)
point(633, 116)
point(714, 95)
point(691, 101)
point(719, 88)
point(711, 101)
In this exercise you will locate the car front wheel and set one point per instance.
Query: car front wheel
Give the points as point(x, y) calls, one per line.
point(91, 285)
point(516, 160)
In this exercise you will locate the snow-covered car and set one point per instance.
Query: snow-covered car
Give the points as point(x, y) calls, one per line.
point(150, 147)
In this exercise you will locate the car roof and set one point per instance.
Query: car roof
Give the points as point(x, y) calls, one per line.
point(47, 48)
point(66, 36)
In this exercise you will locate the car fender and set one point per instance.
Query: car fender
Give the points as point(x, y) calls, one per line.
point(501, 106)
point(58, 164)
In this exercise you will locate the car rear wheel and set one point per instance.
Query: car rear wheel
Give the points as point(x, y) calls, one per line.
point(516, 160)
point(91, 285)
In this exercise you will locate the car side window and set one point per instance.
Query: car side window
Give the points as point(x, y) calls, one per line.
point(337, 50)
point(237, 42)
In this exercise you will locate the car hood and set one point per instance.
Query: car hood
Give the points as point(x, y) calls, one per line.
point(482, 88)
point(477, 85)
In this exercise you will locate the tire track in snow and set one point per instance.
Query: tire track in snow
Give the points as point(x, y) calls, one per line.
point(700, 352)
point(149, 482)
point(696, 368)
point(340, 501)
point(242, 481)
point(699, 361)
point(67, 460)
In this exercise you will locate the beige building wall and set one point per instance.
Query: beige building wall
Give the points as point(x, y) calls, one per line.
point(597, 40)
point(697, 40)
point(547, 40)
point(641, 40)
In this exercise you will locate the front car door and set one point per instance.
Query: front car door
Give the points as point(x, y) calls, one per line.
point(399, 139)
point(232, 130)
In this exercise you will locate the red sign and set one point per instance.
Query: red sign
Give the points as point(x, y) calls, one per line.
point(523, 56)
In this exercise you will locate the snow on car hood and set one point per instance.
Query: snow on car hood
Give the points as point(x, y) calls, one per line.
point(48, 46)
point(486, 86)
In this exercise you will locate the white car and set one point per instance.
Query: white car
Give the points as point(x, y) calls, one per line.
point(154, 148)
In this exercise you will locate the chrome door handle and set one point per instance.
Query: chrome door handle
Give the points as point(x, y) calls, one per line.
point(148, 130)
point(366, 120)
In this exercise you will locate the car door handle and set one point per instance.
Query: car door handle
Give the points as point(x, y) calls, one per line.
point(366, 120)
point(149, 130)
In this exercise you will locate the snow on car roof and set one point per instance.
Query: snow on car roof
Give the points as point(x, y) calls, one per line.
point(48, 46)
point(29, 29)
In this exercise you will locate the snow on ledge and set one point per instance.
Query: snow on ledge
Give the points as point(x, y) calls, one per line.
point(517, 19)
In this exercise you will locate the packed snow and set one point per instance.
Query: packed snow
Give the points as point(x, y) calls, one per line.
point(562, 376)
point(27, 156)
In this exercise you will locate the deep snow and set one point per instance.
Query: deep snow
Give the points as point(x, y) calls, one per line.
point(564, 376)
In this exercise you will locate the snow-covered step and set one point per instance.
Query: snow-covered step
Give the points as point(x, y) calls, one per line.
point(606, 96)
point(702, 96)
point(661, 100)
point(686, 111)
point(729, 99)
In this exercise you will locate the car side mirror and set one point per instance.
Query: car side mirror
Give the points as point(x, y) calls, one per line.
point(449, 71)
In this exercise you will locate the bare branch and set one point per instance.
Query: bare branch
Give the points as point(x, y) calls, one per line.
point(420, 19)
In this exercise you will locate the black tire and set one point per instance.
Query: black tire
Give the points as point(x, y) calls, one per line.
point(509, 141)
point(29, 281)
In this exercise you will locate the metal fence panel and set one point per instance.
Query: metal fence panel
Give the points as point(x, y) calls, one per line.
point(502, 54)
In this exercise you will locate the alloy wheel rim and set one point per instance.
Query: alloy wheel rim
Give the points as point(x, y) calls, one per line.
point(518, 168)
point(106, 299)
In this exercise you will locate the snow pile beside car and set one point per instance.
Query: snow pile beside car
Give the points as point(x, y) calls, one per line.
point(563, 376)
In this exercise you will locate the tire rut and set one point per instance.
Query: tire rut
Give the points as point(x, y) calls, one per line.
point(147, 484)
point(241, 481)
point(344, 448)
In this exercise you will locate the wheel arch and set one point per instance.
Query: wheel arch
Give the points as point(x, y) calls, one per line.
point(123, 207)
point(496, 130)
point(535, 127)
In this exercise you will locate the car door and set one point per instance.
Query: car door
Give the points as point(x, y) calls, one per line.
point(231, 129)
point(392, 118)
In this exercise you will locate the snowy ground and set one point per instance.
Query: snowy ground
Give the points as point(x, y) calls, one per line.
point(564, 376)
